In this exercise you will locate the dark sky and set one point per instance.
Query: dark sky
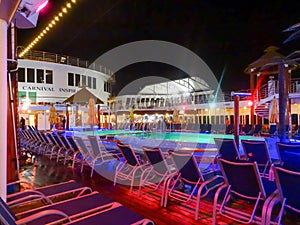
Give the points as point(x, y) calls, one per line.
point(222, 33)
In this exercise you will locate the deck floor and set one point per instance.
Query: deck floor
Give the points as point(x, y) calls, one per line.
point(44, 172)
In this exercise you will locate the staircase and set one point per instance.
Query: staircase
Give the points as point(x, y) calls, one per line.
point(262, 110)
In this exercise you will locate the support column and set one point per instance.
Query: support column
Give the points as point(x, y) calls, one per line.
point(68, 117)
point(282, 101)
point(252, 89)
point(237, 120)
point(3, 103)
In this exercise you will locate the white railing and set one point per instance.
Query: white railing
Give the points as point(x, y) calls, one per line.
point(63, 59)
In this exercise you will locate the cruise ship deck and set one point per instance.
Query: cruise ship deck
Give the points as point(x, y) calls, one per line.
point(45, 172)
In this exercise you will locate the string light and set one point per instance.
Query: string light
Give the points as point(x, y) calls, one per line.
point(50, 25)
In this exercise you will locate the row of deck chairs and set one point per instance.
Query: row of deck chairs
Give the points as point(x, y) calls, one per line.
point(173, 176)
point(67, 149)
point(245, 177)
point(85, 207)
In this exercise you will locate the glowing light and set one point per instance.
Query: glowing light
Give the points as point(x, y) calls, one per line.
point(41, 6)
point(250, 103)
point(53, 22)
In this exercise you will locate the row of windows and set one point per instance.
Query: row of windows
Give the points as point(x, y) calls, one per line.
point(81, 80)
point(31, 75)
point(31, 96)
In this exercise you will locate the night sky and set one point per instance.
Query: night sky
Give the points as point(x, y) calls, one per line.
point(229, 34)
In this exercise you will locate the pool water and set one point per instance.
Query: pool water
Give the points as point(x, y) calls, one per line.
point(171, 136)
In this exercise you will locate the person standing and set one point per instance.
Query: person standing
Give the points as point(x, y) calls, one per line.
point(64, 122)
point(22, 123)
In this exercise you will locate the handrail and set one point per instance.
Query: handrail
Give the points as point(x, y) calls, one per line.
point(63, 59)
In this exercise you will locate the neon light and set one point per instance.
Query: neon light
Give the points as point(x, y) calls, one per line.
point(41, 6)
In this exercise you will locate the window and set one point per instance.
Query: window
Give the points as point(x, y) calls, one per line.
point(71, 79)
point(107, 86)
point(49, 77)
point(83, 80)
point(77, 80)
point(39, 76)
point(21, 74)
point(30, 75)
point(32, 96)
point(89, 82)
point(22, 95)
point(94, 83)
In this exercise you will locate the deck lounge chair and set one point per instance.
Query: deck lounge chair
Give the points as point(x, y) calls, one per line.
point(67, 210)
point(56, 149)
point(113, 216)
point(47, 193)
point(289, 155)
point(227, 149)
point(157, 171)
point(87, 155)
point(257, 151)
point(242, 182)
point(247, 129)
point(257, 130)
point(100, 156)
point(287, 194)
point(130, 169)
point(78, 157)
point(189, 175)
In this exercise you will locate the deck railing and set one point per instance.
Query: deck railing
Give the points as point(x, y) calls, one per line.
point(63, 59)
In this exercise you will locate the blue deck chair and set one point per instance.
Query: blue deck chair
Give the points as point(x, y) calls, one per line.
point(62, 211)
point(113, 216)
point(289, 155)
point(242, 182)
point(64, 152)
point(78, 157)
point(273, 130)
point(100, 155)
point(47, 193)
point(247, 129)
point(157, 171)
point(72, 153)
point(189, 176)
point(130, 168)
point(56, 147)
point(257, 151)
point(227, 149)
point(288, 195)
point(87, 155)
point(257, 130)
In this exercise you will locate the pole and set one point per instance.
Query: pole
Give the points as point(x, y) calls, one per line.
point(282, 102)
point(3, 103)
point(236, 120)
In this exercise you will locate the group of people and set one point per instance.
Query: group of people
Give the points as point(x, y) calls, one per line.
point(63, 123)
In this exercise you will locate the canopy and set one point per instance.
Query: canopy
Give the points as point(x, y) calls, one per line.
point(82, 97)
